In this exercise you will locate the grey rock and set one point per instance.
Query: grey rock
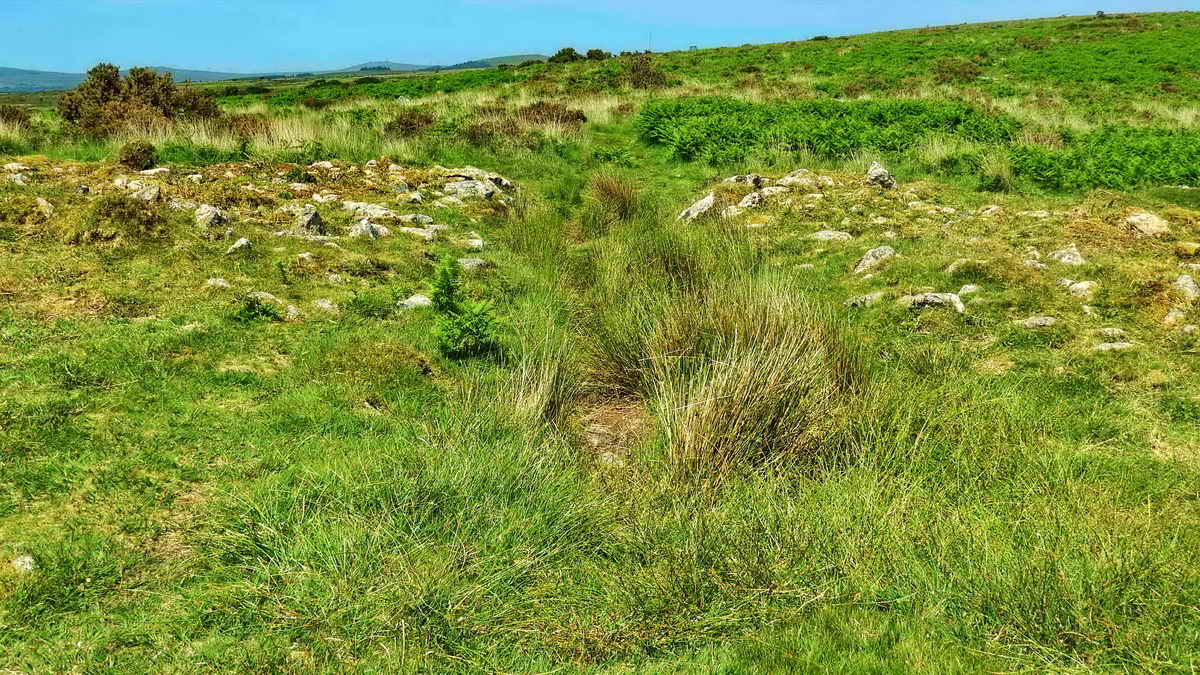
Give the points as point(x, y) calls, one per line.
point(1112, 332)
point(968, 290)
point(1187, 287)
point(417, 301)
point(749, 179)
point(800, 178)
point(210, 216)
point(752, 201)
point(1113, 347)
point(776, 190)
point(420, 232)
point(473, 264)
point(325, 306)
point(1083, 289)
point(832, 235)
point(309, 222)
point(470, 189)
point(879, 176)
point(16, 167)
point(1068, 256)
point(1147, 224)
point(218, 284)
point(873, 258)
point(373, 211)
point(150, 193)
point(865, 300)
point(23, 563)
point(731, 211)
point(159, 171)
point(701, 207)
point(242, 245)
point(472, 242)
point(924, 300)
point(263, 296)
point(17, 179)
point(1175, 317)
point(1038, 322)
point(368, 230)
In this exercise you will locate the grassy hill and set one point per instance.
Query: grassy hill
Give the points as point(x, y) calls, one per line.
point(939, 417)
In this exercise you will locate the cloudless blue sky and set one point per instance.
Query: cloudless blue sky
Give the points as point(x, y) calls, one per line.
point(270, 35)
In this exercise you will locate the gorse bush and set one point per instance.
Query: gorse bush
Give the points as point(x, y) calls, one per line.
point(15, 116)
point(546, 112)
point(106, 102)
point(137, 155)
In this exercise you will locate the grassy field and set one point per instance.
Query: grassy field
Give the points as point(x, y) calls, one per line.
point(721, 444)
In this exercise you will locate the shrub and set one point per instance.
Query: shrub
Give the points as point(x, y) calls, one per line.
point(137, 155)
point(598, 55)
point(545, 112)
point(15, 116)
point(410, 122)
point(105, 102)
point(641, 73)
point(950, 70)
point(472, 331)
point(246, 125)
point(489, 133)
point(566, 55)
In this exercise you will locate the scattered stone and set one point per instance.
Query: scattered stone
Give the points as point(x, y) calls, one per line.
point(1187, 287)
point(731, 211)
point(325, 198)
point(16, 167)
point(196, 178)
point(879, 176)
point(750, 179)
point(321, 165)
point(866, 300)
point(991, 210)
point(1034, 214)
point(183, 204)
point(309, 222)
point(1083, 289)
point(472, 242)
point(1147, 224)
point(470, 189)
point(374, 211)
point(1038, 322)
point(800, 178)
point(873, 258)
point(417, 301)
point(210, 216)
point(968, 290)
point(752, 201)
point(450, 203)
point(1068, 256)
point(416, 219)
point(924, 300)
point(365, 228)
point(776, 190)
point(1187, 249)
point(700, 208)
point(150, 193)
point(263, 296)
point(335, 279)
point(1113, 347)
point(292, 313)
point(159, 171)
point(1174, 317)
point(832, 235)
point(473, 264)
point(242, 245)
point(325, 306)
point(83, 190)
point(306, 258)
point(1189, 329)
point(17, 179)
point(45, 207)
point(23, 563)
point(1112, 332)
point(407, 197)
point(422, 233)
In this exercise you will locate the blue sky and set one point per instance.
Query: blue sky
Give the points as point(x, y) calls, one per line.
point(267, 35)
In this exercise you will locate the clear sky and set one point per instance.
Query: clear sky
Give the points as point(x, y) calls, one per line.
point(271, 35)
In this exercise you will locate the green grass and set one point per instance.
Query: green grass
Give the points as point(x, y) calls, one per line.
point(680, 451)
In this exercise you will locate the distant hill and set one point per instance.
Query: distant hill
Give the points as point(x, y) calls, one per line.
point(380, 65)
point(18, 80)
point(498, 61)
